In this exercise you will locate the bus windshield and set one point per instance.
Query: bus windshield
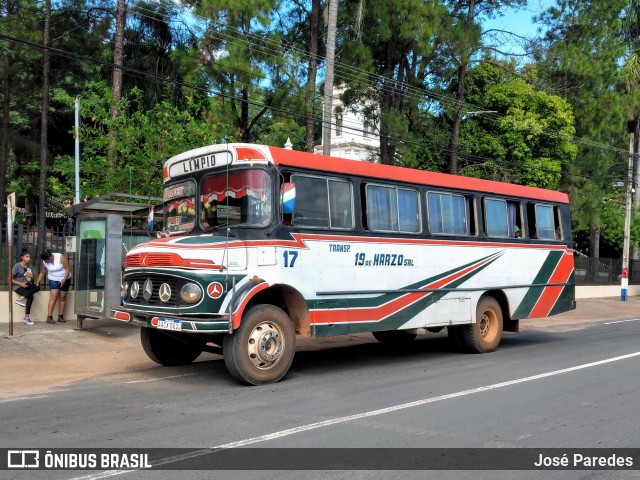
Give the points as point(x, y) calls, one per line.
point(241, 197)
point(180, 207)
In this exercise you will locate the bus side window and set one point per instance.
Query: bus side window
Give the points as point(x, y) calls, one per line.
point(544, 221)
point(495, 218)
point(450, 214)
point(514, 219)
point(340, 204)
point(312, 207)
point(392, 209)
point(322, 202)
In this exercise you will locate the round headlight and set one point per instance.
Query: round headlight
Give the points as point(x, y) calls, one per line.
point(125, 289)
point(190, 293)
point(135, 289)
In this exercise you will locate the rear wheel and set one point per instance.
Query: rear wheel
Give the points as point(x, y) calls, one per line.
point(262, 349)
point(455, 336)
point(168, 348)
point(395, 337)
point(484, 335)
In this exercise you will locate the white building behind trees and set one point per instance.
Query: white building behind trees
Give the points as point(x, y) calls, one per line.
point(352, 136)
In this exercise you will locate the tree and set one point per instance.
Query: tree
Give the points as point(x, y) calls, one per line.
point(630, 77)
point(18, 20)
point(462, 37)
point(304, 33)
point(247, 63)
point(526, 137)
point(145, 139)
point(44, 132)
point(116, 83)
point(583, 51)
point(393, 55)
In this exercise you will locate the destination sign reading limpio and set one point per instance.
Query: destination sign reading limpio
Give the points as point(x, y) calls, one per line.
point(201, 162)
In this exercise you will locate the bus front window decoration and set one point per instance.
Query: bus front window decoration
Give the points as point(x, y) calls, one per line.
point(236, 198)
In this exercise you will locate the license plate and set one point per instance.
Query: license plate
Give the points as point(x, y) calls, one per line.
point(167, 324)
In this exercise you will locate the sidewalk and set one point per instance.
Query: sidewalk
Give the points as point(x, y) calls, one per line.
point(42, 356)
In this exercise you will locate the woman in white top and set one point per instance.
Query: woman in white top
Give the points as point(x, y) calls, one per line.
point(59, 276)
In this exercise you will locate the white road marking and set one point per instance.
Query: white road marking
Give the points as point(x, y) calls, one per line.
point(622, 321)
point(371, 413)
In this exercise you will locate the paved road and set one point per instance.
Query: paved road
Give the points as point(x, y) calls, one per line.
point(571, 387)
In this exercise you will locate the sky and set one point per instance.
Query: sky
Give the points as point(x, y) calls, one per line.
point(520, 22)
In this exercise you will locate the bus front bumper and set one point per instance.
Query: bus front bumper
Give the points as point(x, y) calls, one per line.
point(213, 325)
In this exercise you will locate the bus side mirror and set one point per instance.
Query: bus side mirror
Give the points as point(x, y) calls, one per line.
point(288, 197)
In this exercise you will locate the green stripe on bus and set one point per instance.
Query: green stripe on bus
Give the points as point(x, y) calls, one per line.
point(397, 319)
point(389, 297)
point(533, 294)
point(201, 240)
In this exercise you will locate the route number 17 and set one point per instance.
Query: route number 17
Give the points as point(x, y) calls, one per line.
point(290, 257)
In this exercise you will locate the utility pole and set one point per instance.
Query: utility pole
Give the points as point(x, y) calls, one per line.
point(635, 255)
point(627, 222)
point(328, 77)
point(77, 151)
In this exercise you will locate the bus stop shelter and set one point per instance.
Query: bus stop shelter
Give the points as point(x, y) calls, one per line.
point(100, 243)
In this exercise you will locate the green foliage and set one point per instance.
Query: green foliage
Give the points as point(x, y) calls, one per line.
point(582, 59)
point(528, 140)
point(145, 139)
point(240, 76)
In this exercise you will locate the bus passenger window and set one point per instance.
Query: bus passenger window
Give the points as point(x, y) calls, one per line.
point(312, 209)
point(546, 220)
point(448, 214)
point(408, 211)
point(340, 204)
point(391, 209)
point(495, 218)
point(514, 219)
point(322, 202)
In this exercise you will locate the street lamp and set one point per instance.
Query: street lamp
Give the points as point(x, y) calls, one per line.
point(480, 112)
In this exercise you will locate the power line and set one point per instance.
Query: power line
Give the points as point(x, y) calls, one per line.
point(287, 113)
point(412, 92)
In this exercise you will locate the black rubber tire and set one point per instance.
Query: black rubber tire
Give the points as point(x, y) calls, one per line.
point(455, 336)
point(434, 329)
point(261, 350)
point(170, 349)
point(484, 335)
point(395, 337)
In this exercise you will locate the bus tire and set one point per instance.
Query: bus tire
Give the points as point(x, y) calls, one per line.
point(485, 334)
point(455, 336)
point(395, 337)
point(261, 350)
point(168, 348)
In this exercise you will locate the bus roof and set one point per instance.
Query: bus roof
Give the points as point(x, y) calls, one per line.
point(204, 158)
point(295, 158)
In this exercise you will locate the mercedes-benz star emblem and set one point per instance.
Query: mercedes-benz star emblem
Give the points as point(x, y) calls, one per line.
point(215, 290)
point(165, 292)
point(147, 289)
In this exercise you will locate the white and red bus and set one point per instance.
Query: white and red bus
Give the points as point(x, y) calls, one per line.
point(264, 244)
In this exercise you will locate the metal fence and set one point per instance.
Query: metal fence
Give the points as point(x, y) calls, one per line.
point(604, 271)
point(588, 271)
point(25, 236)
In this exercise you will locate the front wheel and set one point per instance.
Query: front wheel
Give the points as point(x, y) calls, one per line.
point(484, 335)
point(168, 348)
point(262, 349)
